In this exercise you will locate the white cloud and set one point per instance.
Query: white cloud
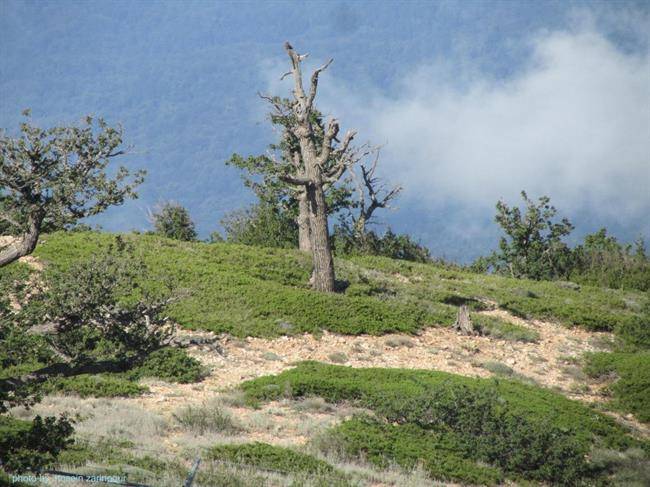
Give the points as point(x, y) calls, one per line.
point(574, 124)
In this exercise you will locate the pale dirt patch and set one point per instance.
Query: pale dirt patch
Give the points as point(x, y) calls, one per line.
point(433, 349)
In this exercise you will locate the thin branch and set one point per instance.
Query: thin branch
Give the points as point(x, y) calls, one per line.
point(275, 102)
point(347, 140)
point(314, 82)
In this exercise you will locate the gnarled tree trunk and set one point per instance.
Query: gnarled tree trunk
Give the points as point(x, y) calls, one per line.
point(323, 277)
point(26, 243)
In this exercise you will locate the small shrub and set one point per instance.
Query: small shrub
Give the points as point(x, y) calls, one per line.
point(265, 456)
point(271, 356)
point(235, 399)
point(207, 418)
point(396, 342)
point(631, 467)
point(101, 385)
point(170, 364)
point(498, 368)
point(338, 357)
point(313, 405)
point(574, 373)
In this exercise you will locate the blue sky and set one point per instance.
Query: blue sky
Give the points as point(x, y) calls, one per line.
point(473, 100)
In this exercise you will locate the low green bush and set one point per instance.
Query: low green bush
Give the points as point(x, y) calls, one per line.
point(634, 333)
point(90, 385)
point(170, 364)
point(488, 430)
point(631, 390)
point(270, 457)
point(31, 445)
point(441, 455)
point(336, 383)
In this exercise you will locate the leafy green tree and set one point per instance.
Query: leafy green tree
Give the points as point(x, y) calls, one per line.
point(173, 221)
point(55, 177)
point(532, 246)
point(390, 244)
point(263, 225)
point(603, 261)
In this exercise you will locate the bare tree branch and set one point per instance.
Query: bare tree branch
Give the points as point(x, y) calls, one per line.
point(314, 82)
point(299, 91)
point(330, 134)
point(377, 196)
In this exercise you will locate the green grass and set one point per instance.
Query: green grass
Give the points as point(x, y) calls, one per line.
point(631, 388)
point(252, 291)
point(520, 418)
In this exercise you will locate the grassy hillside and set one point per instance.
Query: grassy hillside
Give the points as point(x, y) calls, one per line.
point(249, 291)
point(448, 426)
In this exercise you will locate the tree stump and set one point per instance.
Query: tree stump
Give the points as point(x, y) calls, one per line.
point(463, 322)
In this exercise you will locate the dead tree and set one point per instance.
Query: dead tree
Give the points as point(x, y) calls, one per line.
point(312, 167)
point(372, 195)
